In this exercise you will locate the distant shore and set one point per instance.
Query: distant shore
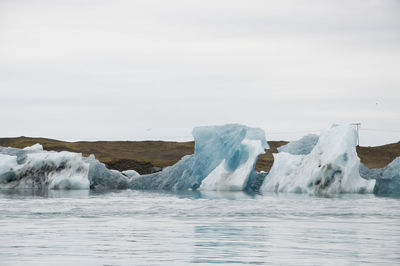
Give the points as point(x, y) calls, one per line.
point(151, 156)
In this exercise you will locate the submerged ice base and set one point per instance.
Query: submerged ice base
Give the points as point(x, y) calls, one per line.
point(331, 167)
point(224, 159)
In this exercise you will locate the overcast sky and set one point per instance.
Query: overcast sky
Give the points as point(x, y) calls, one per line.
point(154, 69)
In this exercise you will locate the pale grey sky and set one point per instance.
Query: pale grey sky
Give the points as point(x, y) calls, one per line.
point(154, 69)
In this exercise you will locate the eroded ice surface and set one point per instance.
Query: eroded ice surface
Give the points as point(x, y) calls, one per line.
point(331, 167)
point(224, 159)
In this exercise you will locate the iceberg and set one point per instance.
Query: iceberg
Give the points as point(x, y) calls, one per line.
point(34, 168)
point(302, 146)
point(387, 178)
point(224, 159)
point(332, 166)
point(228, 176)
point(100, 177)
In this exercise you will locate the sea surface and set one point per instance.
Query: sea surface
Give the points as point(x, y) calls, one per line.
point(157, 228)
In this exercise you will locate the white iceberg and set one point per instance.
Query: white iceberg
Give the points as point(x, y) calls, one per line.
point(331, 167)
point(34, 168)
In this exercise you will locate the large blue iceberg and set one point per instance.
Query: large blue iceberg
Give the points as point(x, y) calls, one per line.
point(224, 159)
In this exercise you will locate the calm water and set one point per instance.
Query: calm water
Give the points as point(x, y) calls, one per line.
point(151, 228)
